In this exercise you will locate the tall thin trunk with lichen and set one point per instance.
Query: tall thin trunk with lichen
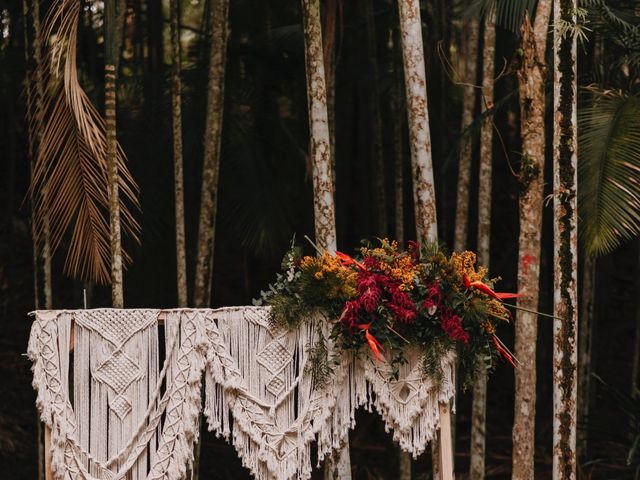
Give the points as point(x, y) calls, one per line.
point(470, 56)
point(110, 74)
point(531, 82)
point(178, 180)
point(211, 157)
point(419, 137)
point(338, 464)
point(418, 116)
point(320, 141)
point(479, 407)
point(565, 158)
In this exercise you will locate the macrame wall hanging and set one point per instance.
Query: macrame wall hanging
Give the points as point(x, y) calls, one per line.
point(120, 391)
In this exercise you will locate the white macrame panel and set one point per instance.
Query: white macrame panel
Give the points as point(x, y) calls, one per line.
point(257, 392)
point(409, 405)
point(129, 418)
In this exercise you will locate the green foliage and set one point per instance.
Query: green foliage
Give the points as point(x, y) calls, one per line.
point(609, 167)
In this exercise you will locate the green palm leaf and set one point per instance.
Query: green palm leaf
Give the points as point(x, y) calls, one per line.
point(609, 170)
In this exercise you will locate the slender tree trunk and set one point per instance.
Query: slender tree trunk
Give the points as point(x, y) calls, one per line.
point(329, 42)
point(470, 55)
point(479, 407)
point(176, 89)
point(405, 467)
point(397, 115)
point(418, 116)
point(111, 52)
point(585, 338)
point(565, 242)
point(211, 160)
point(380, 198)
point(31, 147)
point(39, 83)
point(419, 138)
point(320, 142)
point(337, 465)
point(531, 81)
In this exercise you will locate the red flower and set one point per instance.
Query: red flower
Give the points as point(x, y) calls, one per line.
point(433, 298)
point(452, 326)
point(371, 263)
point(414, 250)
point(401, 305)
point(350, 313)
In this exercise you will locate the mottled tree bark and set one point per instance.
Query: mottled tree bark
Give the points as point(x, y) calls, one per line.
point(337, 465)
point(418, 116)
point(470, 56)
point(565, 327)
point(320, 142)
point(329, 53)
point(380, 197)
point(178, 180)
point(111, 52)
point(419, 138)
point(39, 89)
point(531, 82)
point(211, 157)
point(479, 407)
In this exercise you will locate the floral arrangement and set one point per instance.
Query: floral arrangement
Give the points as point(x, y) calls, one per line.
point(387, 299)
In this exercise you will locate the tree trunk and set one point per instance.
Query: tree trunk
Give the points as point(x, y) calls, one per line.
point(176, 88)
point(531, 82)
point(470, 55)
point(418, 116)
point(479, 407)
point(320, 141)
point(395, 99)
point(419, 137)
point(39, 84)
point(585, 338)
point(211, 160)
point(329, 42)
point(111, 52)
point(380, 198)
point(565, 242)
point(337, 465)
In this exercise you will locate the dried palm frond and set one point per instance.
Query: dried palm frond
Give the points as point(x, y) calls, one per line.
point(70, 175)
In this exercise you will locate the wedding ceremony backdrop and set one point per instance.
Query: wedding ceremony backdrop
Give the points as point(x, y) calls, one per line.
point(244, 231)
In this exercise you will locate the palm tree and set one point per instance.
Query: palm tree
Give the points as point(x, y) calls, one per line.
point(565, 157)
point(211, 158)
point(531, 80)
point(178, 180)
point(479, 407)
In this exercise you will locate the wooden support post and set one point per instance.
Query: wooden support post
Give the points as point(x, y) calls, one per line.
point(48, 473)
point(446, 447)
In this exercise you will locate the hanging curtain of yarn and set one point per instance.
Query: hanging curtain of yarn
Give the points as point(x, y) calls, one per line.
point(121, 391)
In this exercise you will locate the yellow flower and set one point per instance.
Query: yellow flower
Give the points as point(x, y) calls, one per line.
point(465, 264)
